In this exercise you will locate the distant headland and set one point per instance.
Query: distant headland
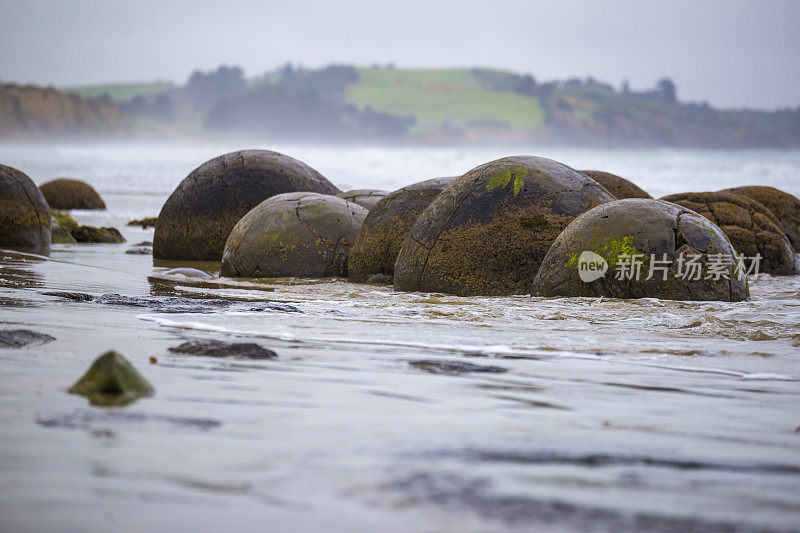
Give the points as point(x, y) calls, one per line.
point(343, 103)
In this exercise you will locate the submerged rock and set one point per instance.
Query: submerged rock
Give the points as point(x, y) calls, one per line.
point(66, 193)
point(74, 296)
point(211, 348)
point(616, 185)
point(112, 381)
point(188, 272)
point(597, 254)
point(24, 213)
point(89, 234)
point(751, 228)
point(366, 198)
point(783, 205)
point(386, 227)
point(298, 234)
point(61, 227)
point(453, 367)
point(488, 232)
point(199, 215)
point(19, 338)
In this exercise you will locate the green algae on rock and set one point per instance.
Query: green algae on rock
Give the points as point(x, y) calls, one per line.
point(488, 232)
point(299, 234)
point(660, 236)
point(783, 205)
point(61, 227)
point(751, 228)
point(67, 193)
point(366, 198)
point(24, 213)
point(616, 185)
point(197, 218)
point(112, 381)
point(378, 243)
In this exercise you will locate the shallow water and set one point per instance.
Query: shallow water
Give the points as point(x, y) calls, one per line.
point(611, 415)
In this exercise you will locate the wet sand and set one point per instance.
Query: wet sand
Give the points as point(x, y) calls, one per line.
point(387, 411)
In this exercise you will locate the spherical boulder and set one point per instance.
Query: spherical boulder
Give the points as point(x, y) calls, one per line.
point(616, 185)
point(199, 215)
point(366, 198)
point(67, 193)
point(488, 232)
point(375, 251)
point(783, 205)
point(642, 248)
point(24, 213)
point(299, 234)
point(751, 228)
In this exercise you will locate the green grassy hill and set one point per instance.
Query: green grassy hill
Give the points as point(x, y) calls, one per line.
point(439, 97)
point(120, 92)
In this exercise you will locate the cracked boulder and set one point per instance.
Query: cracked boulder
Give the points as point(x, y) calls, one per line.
point(61, 227)
point(680, 255)
point(616, 185)
point(366, 198)
point(24, 213)
point(488, 232)
point(67, 193)
point(375, 251)
point(197, 218)
point(298, 234)
point(783, 205)
point(751, 228)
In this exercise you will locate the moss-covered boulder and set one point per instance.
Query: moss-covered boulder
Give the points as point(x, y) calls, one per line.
point(24, 213)
point(366, 198)
point(783, 205)
point(197, 218)
point(488, 232)
point(375, 251)
point(112, 381)
point(90, 234)
point(299, 234)
point(66, 193)
point(751, 228)
point(616, 185)
point(61, 227)
point(641, 248)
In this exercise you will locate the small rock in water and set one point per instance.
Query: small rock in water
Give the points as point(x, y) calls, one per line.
point(148, 222)
point(380, 277)
point(112, 381)
point(241, 350)
point(89, 234)
point(188, 272)
point(18, 338)
point(74, 296)
point(453, 367)
point(139, 249)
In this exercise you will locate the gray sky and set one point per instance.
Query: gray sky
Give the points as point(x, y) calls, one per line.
point(732, 53)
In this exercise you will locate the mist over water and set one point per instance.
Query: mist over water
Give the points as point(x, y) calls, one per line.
point(582, 413)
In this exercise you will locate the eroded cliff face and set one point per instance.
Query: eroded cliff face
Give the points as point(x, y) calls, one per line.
point(32, 112)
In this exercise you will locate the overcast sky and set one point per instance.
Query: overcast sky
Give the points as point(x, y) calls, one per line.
point(732, 53)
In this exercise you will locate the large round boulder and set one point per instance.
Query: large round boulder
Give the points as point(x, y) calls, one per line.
point(783, 205)
point(366, 198)
point(375, 251)
point(200, 214)
point(616, 185)
point(24, 213)
point(751, 228)
point(297, 234)
point(67, 193)
point(641, 248)
point(488, 232)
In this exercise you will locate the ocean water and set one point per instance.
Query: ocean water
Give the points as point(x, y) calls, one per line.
point(579, 414)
